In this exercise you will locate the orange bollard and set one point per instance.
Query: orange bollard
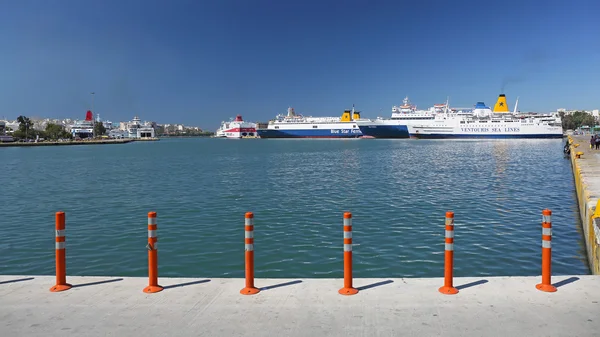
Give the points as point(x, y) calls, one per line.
point(448, 289)
point(546, 252)
point(153, 286)
point(348, 289)
point(61, 264)
point(250, 289)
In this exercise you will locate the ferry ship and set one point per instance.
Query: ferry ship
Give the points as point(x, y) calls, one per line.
point(483, 122)
point(298, 126)
point(397, 125)
point(236, 128)
point(83, 129)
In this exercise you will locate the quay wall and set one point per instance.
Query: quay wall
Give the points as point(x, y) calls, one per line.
point(586, 173)
point(74, 142)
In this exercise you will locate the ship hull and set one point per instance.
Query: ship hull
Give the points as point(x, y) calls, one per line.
point(498, 130)
point(385, 131)
point(478, 136)
point(307, 133)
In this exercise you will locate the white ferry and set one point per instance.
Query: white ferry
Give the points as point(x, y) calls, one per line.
point(397, 125)
point(83, 129)
point(298, 126)
point(483, 122)
point(237, 128)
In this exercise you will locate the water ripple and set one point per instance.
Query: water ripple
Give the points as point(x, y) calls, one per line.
point(398, 192)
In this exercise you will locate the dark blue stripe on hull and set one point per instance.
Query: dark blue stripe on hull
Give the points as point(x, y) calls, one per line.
point(385, 131)
point(337, 133)
point(448, 136)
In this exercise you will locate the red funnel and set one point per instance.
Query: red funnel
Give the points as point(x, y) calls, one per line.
point(88, 116)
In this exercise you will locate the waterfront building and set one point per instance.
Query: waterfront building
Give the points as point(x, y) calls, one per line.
point(10, 127)
point(137, 129)
point(118, 134)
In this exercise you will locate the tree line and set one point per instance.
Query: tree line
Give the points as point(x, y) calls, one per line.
point(51, 132)
point(576, 120)
point(26, 130)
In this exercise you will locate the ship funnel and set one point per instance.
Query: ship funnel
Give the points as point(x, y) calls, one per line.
point(88, 116)
point(501, 105)
point(355, 114)
point(346, 116)
point(291, 112)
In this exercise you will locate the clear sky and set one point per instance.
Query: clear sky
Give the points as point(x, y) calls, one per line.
point(201, 62)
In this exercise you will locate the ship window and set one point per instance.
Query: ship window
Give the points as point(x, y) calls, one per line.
point(462, 122)
point(276, 127)
point(314, 126)
point(353, 126)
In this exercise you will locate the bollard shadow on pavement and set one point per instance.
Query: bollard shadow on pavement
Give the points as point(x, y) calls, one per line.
point(373, 285)
point(185, 284)
point(281, 285)
point(472, 284)
point(17, 280)
point(96, 283)
point(565, 281)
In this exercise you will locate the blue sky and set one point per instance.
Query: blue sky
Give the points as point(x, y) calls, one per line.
point(201, 62)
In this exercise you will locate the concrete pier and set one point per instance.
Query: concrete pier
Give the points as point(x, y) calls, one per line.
point(70, 142)
point(586, 172)
point(485, 306)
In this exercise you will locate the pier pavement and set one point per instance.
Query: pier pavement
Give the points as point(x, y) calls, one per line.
point(115, 306)
point(586, 172)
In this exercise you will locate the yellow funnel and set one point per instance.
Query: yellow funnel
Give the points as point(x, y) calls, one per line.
point(501, 105)
point(346, 116)
point(356, 115)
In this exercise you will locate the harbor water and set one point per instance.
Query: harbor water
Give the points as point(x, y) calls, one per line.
point(397, 190)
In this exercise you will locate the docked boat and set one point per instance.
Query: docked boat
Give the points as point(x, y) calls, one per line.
point(237, 128)
point(483, 122)
point(397, 125)
point(83, 129)
point(298, 126)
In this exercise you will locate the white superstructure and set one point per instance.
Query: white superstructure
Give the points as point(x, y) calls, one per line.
point(402, 116)
point(298, 126)
point(483, 122)
point(135, 129)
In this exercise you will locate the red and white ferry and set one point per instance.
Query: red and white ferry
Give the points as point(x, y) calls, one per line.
point(237, 128)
